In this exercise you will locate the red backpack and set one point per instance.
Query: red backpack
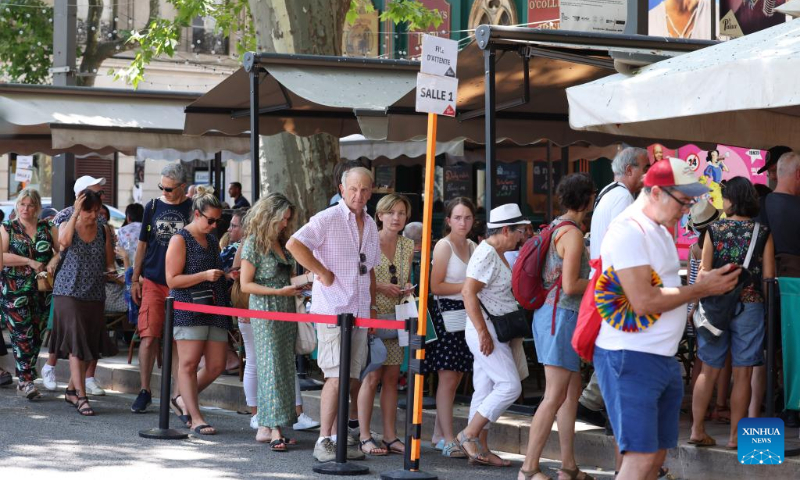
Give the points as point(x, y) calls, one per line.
point(526, 276)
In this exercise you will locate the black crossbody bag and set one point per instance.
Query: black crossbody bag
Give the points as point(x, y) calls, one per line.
point(510, 325)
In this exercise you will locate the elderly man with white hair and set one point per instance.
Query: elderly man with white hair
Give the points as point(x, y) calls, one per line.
point(340, 245)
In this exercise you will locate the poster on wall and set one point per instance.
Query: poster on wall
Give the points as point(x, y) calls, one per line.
point(712, 168)
point(544, 14)
point(742, 17)
point(361, 38)
point(669, 18)
point(415, 38)
point(594, 15)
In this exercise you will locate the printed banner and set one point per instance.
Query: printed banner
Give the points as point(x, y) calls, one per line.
point(742, 17)
point(667, 19)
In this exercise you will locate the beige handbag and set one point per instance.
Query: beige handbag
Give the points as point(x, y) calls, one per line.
point(306, 338)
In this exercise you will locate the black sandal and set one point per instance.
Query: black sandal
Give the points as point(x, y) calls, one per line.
point(71, 393)
point(278, 445)
point(84, 402)
point(184, 417)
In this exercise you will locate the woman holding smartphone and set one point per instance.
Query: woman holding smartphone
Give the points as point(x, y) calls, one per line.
point(392, 276)
point(79, 327)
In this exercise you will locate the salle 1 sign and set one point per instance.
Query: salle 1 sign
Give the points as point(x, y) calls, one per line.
point(436, 94)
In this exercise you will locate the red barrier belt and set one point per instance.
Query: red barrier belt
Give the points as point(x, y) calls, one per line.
point(286, 317)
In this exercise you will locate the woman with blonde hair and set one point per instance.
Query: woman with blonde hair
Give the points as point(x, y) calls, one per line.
point(194, 275)
point(265, 273)
point(392, 276)
point(29, 250)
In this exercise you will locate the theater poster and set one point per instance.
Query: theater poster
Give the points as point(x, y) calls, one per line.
point(669, 18)
point(711, 168)
point(742, 17)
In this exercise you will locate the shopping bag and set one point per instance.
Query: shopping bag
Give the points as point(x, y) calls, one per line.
point(408, 308)
point(589, 319)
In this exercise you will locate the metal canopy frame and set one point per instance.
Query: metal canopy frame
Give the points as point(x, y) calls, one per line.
point(589, 48)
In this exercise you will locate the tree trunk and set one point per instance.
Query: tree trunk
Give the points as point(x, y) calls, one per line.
point(301, 168)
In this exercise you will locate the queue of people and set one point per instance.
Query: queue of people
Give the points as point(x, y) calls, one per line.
point(364, 266)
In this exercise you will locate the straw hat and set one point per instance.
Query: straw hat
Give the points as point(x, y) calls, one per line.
point(702, 213)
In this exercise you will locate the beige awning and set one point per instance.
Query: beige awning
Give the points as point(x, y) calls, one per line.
point(305, 95)
point(52, 120)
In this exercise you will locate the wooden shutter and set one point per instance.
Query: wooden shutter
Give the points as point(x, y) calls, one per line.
point(100, 167)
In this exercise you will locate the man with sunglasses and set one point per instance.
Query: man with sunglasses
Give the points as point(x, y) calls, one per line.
point(643, 323)
point(163, 217)
point(340, 245)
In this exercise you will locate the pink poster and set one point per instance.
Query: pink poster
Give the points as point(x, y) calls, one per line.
point(712, 168)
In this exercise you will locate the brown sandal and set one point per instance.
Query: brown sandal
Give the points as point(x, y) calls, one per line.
point(706, 441)
point(573, 474)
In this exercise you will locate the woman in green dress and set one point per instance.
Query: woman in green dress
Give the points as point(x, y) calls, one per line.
point(265, 273)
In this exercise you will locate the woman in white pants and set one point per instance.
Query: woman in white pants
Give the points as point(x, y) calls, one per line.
point(495, 377)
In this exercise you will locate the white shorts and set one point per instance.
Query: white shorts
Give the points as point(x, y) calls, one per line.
point(328, 350)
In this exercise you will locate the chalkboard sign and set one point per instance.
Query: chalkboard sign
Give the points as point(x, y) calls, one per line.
point(540, 177)
point(507, 184)
point(457, 182)
point(384, 177)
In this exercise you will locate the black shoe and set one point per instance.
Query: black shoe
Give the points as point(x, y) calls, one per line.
point(589, 416)
point(5, 378)
point(608, 430)
point(142, 401)
point(790, 418)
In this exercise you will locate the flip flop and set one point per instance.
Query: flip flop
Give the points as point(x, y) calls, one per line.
point(278, 445)
point(706, 441)
point(199, 429)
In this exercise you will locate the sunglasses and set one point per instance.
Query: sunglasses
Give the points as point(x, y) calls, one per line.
point(393, 272)
point(166, 189)
point(362, 267)
point(210, 220)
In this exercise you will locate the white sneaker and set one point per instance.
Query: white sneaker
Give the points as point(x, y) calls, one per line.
point(93, 388)
point(325, 451)
point(49, 377)
point(254, 422)
point(304, 422)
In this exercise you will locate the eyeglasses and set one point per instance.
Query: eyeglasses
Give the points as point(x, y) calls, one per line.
point(210, 220)
point(393, 272)
point(362, 267)
point(683, 204)
point(164, 189)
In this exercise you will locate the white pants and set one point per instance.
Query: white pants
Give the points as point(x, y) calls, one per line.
point(494, 378)
point(250, 375)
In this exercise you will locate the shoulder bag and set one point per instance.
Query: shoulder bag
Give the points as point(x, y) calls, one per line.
point(714, 314)
point(510, 325)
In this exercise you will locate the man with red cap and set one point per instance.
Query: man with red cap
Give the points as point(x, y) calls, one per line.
point(643, 306)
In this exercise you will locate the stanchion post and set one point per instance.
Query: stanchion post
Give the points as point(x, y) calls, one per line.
point(163, 432)
point(340, 465)
point(769, 411)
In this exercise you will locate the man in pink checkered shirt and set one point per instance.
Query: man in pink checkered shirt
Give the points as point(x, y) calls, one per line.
point(340, 245)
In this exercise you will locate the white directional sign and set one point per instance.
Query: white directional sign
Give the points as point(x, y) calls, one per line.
point(23, 175)
point(25, 161)
point(439, 56)
point(437, 94)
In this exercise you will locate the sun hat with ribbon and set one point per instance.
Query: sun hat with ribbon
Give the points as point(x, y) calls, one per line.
point(702, 214)
point(676, 174)
point(506, 215)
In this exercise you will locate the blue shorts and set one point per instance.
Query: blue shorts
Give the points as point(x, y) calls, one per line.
point(555, 349)
point(744, 339)
point(643, 394)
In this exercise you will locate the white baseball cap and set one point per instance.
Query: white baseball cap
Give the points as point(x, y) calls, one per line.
point(85, 182)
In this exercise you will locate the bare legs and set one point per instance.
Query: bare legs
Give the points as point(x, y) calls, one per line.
point(701, 395)
point(148, 348)
point(639, 466)
point(758, 384)
point(740, 399)
point(445, 396)
point(190, 380)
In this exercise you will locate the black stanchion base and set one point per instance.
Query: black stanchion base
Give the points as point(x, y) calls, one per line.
point(404, 474)
point(791, 452)
point(163, 434)
point(341, 469)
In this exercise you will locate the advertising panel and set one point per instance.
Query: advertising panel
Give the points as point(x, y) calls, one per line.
point(742, 17)
point(594, 15)
point(680, 19)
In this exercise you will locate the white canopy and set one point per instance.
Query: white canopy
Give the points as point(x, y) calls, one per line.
point(742, 92)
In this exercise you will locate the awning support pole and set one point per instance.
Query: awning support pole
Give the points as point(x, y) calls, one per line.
point(218, 187)
point(550, 186)
point(255, 139)
point(490, 102)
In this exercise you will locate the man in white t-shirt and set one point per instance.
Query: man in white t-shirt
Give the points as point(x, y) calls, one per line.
point(634, 355)
point(629, 167)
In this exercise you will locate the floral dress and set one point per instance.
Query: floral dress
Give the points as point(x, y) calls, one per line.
point(274, 340)
point(402, 261)
point(25, 308)
point(731, 239)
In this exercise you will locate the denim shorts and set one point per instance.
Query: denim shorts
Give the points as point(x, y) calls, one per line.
point(744, 339)
point(555, 349)
point(204, 333)
point(643, 394)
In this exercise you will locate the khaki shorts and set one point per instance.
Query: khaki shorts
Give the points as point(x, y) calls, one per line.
point(151, 309)
point(328, 350)
point(203, 333)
